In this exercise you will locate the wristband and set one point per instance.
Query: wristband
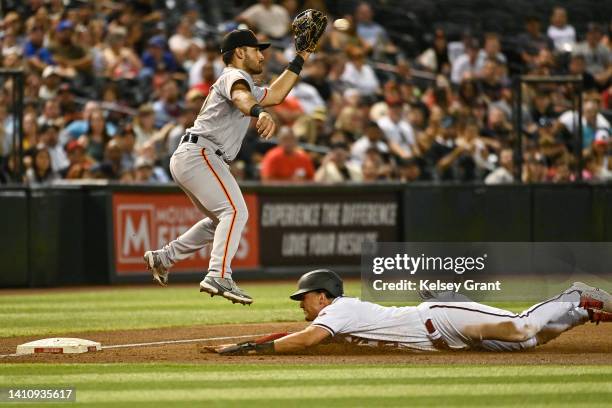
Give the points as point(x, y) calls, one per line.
point(256, 110)
point(296, 65)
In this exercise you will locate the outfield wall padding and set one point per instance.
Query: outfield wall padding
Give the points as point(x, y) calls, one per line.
point(68, 235)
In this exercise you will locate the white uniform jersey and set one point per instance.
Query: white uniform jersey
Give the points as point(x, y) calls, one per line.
point(457, 324)
point(365, 320)
point(219, 120)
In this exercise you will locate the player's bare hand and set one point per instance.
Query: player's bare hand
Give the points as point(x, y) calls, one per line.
point(265, 125)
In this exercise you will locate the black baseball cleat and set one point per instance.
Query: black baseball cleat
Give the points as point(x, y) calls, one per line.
point(225, 287)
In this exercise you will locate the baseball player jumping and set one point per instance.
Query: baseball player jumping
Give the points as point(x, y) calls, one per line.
point(437, 324)
point(200, 164)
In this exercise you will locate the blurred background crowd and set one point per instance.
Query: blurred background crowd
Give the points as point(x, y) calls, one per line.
point(407, 92)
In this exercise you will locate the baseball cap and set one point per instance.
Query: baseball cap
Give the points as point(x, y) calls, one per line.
point(64, 25)
point(241, 38)
point(142, 162)
point(50, 70)
point(157, 41)
point(602, 137)
point(74, 145)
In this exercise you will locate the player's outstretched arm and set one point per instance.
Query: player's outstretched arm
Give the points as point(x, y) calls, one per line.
point(298, 341)
point(282, 85)
point(244, 100)
point(294, 342)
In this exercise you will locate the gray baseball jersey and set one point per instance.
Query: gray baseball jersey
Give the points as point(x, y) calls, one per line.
point(219, 120)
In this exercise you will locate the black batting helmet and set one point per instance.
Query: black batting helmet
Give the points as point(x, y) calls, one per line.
point(320, 279)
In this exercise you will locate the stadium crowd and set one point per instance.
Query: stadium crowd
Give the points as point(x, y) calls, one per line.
point(110, 88)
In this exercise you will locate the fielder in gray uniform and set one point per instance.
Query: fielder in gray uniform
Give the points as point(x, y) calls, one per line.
point(433, 325)
point(200, 163)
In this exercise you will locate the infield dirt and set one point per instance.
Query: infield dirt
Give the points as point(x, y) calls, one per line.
point(588, 344)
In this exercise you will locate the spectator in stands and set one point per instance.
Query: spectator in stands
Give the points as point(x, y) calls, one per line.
point(185, 121)
point(51, 114)
point(398, 132)
point(181, 40)
point(8, 171)
point(286, 162)
point(409, 171)
point(339, 87)
point(435, 59)
point(335, 167)
point(268, 18)
point(375, 167)
point(157, 59)
point(127, 143)
point(167, 108)
point(490, 51)
point(369, 171)
point(358, 74)
point(111, 167)
point(144, 125)
point(6, 133)
point(66, 53)
point(119, 61)
point(79, 127)
point(444, 151)
point(577, 66)
point(37, 55)
point(307, 96)
point(41, 172)
point(478, 149)
point(497, 126)
point(30, 132)
point(207, 79)
point(534, 168)
point(372, 138)
point(597, 56)
point(532, 41)
point(465, 66)
point(144, 172)
point(505, 172)
point(51, 83)
point(209, 56)
point(560, 32)
point(373, 34)
point(592, 120)
point(313, 128)
point(96, 137)
point(78, 160)
point(49, 139)
point(542, 110)
point(490, 83)
point(602, 155)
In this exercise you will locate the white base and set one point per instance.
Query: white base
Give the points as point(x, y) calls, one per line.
point(59, 345)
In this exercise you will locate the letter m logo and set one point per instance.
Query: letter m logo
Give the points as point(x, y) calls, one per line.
point(133, 232)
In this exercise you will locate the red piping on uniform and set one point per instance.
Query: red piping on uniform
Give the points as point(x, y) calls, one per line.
point(229, 235)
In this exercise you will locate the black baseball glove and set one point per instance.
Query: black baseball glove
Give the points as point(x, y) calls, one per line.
point(249, 347)
point(308, 27)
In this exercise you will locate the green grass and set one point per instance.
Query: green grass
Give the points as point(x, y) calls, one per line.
point(139, 308)
point(146, 307)
point(148, 385)
point(265, 385)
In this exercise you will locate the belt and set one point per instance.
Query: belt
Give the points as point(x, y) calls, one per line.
point(435, 336)
point(195, 139)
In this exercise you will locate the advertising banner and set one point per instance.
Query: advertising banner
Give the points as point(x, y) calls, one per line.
point(147, 221)
point(325, 229)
